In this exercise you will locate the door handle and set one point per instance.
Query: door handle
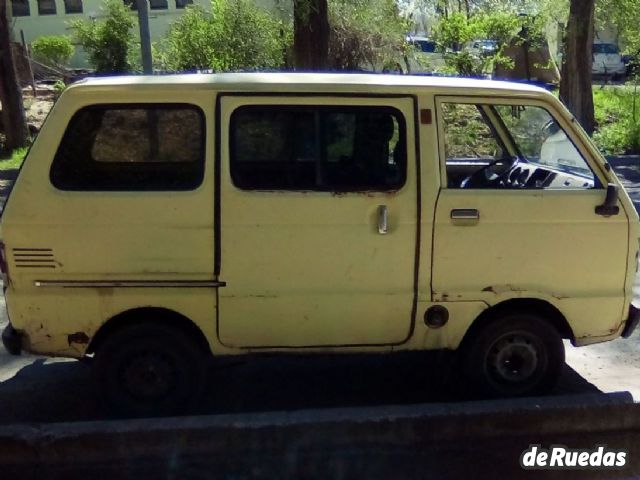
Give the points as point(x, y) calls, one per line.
point(465, 216)
point(383, 220)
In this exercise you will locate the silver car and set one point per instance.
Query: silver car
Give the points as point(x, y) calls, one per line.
point(607, 59)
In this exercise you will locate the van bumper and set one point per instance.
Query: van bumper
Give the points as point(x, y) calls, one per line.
point(631, 323)
point(12, 340)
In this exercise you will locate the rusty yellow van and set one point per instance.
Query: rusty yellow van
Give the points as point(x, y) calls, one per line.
point(160, 220)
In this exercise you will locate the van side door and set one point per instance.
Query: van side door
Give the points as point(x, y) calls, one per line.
point(318, 220)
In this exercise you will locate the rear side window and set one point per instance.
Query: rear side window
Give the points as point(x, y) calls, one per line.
point(122, 147)
point(318, 148)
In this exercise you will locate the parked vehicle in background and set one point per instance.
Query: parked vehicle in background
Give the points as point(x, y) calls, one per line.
point(425, 56)
point(607, 60)
point(632, 64)
point(481, 47)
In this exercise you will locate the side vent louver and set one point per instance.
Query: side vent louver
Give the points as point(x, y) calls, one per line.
point(34, 258)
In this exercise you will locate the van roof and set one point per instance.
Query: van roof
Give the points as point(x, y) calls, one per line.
point(311, 81)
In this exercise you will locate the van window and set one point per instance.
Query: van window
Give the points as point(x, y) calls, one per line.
point(540, 139)
point(122, 147)
point(469, 135)
point(318, 148)
point(510, 146)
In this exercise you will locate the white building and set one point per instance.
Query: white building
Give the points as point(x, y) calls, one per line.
point(37, 18)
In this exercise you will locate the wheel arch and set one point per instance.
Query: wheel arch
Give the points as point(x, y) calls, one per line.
point(153, 315)
point(543, 308)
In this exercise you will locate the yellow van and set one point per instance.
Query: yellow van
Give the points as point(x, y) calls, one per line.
point(160, 220)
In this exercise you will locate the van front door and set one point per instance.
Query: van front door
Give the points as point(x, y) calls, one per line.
point(318, 218)
point(519, 218)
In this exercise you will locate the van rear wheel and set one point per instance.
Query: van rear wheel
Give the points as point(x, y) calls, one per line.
point(514, 355)
point(149, 370)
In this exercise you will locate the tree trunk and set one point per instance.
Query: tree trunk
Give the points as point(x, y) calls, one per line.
point(13, 117)
point(575, 86)
point(311, 35)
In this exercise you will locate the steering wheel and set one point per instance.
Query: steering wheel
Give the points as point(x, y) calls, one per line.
point(481, 178)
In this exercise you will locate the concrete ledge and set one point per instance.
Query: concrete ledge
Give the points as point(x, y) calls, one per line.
point(447, 439)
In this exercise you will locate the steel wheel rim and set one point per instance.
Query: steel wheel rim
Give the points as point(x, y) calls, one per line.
point(514, 359)
point(148, 375)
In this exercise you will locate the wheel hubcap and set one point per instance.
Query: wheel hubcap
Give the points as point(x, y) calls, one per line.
point(148, 375)
point(513, 358)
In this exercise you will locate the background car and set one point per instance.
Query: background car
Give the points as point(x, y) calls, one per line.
point(425, 56)
point(632, 63)
point(481, 47)
point(607, 60)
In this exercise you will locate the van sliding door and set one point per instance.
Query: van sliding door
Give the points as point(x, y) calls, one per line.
point(318, 202)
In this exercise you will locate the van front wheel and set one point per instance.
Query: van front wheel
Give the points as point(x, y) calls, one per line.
point(514, 355)
point(149, 370)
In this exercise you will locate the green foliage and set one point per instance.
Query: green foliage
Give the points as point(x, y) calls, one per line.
point(548, 8)
point(454, 31)
point(58, 88)
point(14, 159)
point(108, 42)
point(52, 49)
point(618, 130)
point(366, 34)
point(622, 15)
point(236, 35)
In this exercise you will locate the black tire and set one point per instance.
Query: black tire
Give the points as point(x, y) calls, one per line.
point(514, 355)
point(149, 370)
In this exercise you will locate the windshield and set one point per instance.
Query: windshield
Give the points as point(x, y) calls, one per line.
point(487, 43)
point(425, 46)
point(605, 48)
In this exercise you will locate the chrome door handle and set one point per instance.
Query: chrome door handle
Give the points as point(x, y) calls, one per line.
point(465, 216)
point(383, 220)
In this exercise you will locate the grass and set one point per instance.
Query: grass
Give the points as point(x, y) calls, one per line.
point(13, 160)
point(618, 130)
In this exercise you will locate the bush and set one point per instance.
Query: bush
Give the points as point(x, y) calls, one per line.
point(236, 35)
point(53, 49)
point(366, 34)
point(618, 130)
point(454, 31)
point(58, 88)
point(108, 42)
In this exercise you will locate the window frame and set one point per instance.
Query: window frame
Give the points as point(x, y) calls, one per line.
point(201, 161)
point(48, 13)
point(561, 118)
point(319, 109)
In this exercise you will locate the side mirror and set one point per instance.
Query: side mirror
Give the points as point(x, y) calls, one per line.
point(610, 206)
